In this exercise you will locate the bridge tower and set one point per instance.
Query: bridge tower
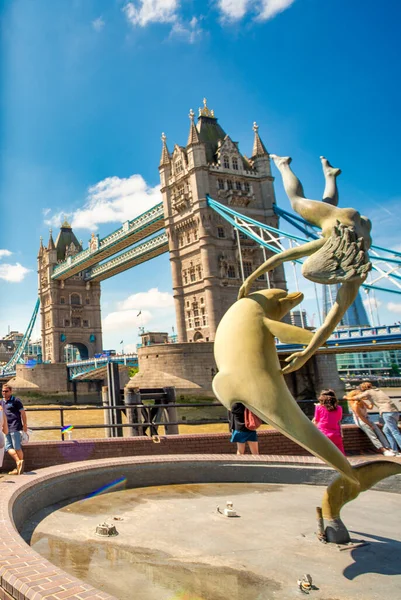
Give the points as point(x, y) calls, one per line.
point(207, 258)
point(70, 309)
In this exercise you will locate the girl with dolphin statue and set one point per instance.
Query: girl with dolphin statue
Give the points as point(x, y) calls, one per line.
point(339, 256)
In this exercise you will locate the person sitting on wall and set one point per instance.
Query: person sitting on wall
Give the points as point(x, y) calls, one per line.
point(359, 410)
point(388, 412)
point(16, 419)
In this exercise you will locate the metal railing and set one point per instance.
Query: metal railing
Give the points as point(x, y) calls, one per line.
point(146, 219)
point(145, 411)
point(142, 251)
point(147, 423)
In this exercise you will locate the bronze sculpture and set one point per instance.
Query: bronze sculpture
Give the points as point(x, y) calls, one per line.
point(339, 256)
point(245, 351)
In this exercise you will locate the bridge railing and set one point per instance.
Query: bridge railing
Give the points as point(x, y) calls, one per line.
point(104, 359)
point(138, 251)
point(366, 331)
point(146, 218)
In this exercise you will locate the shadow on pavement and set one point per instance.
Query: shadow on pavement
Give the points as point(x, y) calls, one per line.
point(382, 555)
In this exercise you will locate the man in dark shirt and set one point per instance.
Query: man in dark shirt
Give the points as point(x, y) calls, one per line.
point(16, 419)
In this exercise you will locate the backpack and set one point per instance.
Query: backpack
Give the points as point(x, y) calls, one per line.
point(252, 422)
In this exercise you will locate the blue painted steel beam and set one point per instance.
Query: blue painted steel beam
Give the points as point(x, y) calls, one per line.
point(229, 215)
point(17, 356)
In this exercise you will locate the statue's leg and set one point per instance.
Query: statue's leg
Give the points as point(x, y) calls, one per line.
point(330, 194)
point(312, 211)
point(292, 185)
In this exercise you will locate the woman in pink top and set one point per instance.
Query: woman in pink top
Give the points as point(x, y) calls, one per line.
point(328, 417)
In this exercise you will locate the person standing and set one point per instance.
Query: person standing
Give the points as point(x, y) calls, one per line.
point(16, 420)
point(359, 410)
point(3, 431)
point(388, 411)
point(240, 433)
point(328, 415)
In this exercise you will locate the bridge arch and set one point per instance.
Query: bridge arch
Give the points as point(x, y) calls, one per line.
point(67, 352)
point(198, 337)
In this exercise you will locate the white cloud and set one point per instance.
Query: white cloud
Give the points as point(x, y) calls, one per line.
point(112, 200)
point(263, 10)
point(13, 273)
point(233, 10)
point(151, 299)
point(98, 24)
point(125, 320)
point(372, 303)
point(268, 9)
point(190, 31)
point(394, 307)
point(130, 348)
point(5, 253)
point(153, 309)
point(151, 11)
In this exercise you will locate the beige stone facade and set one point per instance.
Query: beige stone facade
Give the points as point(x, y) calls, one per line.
point(70, 309)
point(205, 251)
point(194, 365)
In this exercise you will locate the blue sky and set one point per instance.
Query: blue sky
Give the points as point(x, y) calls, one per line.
point(87, 87)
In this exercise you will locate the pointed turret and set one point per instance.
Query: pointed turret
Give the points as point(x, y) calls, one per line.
point(66, 242)
point(193, 137)
point(210, 132)
point(165, 157)
point(259, 148)
point(41, 248)
point(50, 245)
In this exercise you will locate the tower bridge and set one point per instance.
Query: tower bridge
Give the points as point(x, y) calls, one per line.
point(218, 220)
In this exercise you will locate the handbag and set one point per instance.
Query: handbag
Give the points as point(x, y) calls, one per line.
point(252, 422)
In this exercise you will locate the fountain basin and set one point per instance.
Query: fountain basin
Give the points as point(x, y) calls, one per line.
point(25, 574)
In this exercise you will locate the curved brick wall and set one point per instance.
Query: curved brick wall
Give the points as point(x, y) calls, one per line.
point(45, 454)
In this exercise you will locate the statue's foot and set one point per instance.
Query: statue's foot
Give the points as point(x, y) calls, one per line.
point(328, 170)
point(281, 161)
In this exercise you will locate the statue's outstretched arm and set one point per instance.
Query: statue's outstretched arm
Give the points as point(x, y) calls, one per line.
point(345, 297)
point(278, 259)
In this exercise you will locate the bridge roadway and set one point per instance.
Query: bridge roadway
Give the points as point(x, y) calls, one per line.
point(141, 253)
point(129, 233)
point(367, 339)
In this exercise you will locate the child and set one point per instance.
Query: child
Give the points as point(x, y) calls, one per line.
point(328, 417)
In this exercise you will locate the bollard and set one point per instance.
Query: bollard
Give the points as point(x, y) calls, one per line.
point(171, 411)
point(320, 524)
point(131, 398)
point(106, 413)
point(113, 381)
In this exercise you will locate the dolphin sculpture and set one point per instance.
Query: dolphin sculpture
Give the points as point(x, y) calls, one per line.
point(250, 372)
